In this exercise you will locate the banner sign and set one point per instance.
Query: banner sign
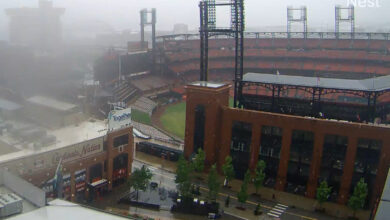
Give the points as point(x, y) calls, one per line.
point(118, 119)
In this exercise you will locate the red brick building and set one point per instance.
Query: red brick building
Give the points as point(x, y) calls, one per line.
point(93, 161)
point(299, 151)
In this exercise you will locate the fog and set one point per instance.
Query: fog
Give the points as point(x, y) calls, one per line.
point(119, 15)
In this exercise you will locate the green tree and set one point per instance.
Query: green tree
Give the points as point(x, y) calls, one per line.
point(198, 162)
point(228, 169)
point(323, 192)
point(183, 177)
point(358, 198)
point(140, 178)
point(213, 183)
point(242, 195)
point(259, 175)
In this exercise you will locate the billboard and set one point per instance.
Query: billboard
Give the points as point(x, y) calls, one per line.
point(118, 119)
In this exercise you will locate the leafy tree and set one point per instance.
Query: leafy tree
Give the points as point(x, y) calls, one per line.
point(358, 198)
point(242, 195)
point(198, 162)
point(140, 178)
point(182, 177)
point(213, 183)
point(323, 192)
point(228, 169)
point(259, 175)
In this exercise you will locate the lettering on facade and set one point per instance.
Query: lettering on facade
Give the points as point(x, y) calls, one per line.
point(76, 153)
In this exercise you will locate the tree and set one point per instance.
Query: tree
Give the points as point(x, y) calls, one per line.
point(140, 178)
point(358, 198)
point(242, 195)
point(182, 177)
point(259, 175)
point(323, 192)
point(228, 169)
point(213, 183)
point(198, 162)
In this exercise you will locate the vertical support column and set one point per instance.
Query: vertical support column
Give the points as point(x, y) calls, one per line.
point(315, 165)
point(348, 170)
point(72, 187)
point(255, 145)
point(142, 19)
point(225, 141)
point(284, 158)
point(383, 169)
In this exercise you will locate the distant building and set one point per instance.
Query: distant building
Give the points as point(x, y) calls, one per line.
point(180, 29)
point(36, 27)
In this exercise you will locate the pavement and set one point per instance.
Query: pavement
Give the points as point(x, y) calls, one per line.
point(165, 177)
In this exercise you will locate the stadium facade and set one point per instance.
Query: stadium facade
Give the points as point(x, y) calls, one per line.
point(299, 151)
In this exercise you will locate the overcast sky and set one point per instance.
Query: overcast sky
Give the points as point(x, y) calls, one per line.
point(123, 14)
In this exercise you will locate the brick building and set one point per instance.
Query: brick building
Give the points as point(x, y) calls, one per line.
point(299, 151)
point(93, 160)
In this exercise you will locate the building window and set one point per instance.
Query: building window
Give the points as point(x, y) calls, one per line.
point(240, 147)
point(270, 147)
point(105, 146)
point(299, 163)
point(200, 117)
point(332, 162)
point(121, 140)
point(105, 166)
point(366, 164)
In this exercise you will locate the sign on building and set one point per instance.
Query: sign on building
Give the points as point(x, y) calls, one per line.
point(118, 119)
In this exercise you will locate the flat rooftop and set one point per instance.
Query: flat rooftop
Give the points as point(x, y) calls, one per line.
point(51, 103)
point(63, 210)
point(207, 84)
point(65, 136)
point(8, 105)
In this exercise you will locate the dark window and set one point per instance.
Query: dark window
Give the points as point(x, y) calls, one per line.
point(95, 172)
point(105, 166)
point(270, 147)
point(121, 140)
point(105, 146)
point(299, 163)
point(366, 164)
point(199, 127)
point(332, 162)
point(240, 147)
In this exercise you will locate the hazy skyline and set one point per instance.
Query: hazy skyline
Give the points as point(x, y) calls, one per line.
point(124, 14)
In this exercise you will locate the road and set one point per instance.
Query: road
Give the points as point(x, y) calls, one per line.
point(167, 180)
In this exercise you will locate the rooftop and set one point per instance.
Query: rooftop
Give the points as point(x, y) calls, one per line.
point(65, 136)
point(63, 210)
point(375, 84)
point(51, 103)
point(8, 105)
point(213, 85)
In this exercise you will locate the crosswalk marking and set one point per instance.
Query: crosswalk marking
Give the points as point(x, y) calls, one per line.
point(270, 214)
point(277, 210)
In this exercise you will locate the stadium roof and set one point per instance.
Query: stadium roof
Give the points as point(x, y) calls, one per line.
point(375, 84)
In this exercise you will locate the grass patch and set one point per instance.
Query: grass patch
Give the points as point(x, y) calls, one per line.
point(141, 117)
point(174, 119)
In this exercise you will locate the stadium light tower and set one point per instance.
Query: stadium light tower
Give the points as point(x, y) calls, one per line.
point(208, 27)
point(146, 20)
point(293, 19)
point(339, 18)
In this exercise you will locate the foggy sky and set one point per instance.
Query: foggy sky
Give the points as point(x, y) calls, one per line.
point(124, 14)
